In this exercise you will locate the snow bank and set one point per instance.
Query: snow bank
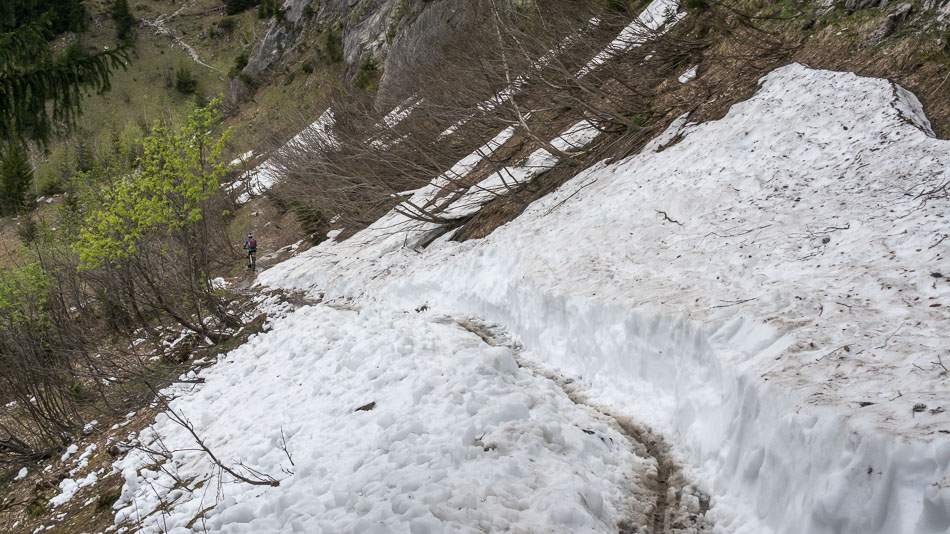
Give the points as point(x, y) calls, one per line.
point(263, 177)
point(384, 242)
point(769, 292)
point(393, 422)
point(509, 178)
point(658, 17)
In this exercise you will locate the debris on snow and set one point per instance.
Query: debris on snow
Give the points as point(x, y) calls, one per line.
point(685, 327)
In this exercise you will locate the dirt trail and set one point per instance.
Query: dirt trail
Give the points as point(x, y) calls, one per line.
point(158, 25)
point(676, 507)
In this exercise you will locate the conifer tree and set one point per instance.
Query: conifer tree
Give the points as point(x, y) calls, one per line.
point(38, 90)
point(122, 16)
point(16, 176)
point(64, 15)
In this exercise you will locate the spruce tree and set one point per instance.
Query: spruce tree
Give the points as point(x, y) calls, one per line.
point(16, 176)
point(38, 90)
point(124, 21)
point(63, 15)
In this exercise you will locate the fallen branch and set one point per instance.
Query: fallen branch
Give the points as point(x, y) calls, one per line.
point(257, 478)
point(940, 363)
point(846, 347)
point(938, 242)
point(579, 189)
point(890, 336)
point(735, 303)
point(740, 233)
point(282, 445)
point(667, 217)
point(832, 228)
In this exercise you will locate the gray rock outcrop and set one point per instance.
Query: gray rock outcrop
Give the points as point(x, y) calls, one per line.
point(394, 33)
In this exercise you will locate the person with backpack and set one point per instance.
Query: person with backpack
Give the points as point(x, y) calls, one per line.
point(251, 246)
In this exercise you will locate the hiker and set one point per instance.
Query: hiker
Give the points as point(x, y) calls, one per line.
point(251, 246)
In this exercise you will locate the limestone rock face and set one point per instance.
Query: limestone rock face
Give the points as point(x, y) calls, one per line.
point(415, 41)
point(394, 33)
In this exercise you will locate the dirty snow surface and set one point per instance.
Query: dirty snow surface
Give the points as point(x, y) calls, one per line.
point(387, 423)
point(768, 292)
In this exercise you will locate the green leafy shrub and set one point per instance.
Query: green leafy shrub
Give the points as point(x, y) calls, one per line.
point(178, 172)
point(333, 47)
point(267, 9)
point(227, 25)
point(28, 230)
point(36, 508)
point(77, 390)
point(24, 292)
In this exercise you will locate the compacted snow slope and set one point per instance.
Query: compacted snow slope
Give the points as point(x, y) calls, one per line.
point(391, 423)
point(769, 292)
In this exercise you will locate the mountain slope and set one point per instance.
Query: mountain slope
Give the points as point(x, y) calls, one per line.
point(737, 328)
point(695, 289)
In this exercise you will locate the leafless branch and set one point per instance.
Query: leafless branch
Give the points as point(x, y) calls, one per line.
point(667, 217)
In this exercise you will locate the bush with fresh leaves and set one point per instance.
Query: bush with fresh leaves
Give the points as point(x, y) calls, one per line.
point(178, 172)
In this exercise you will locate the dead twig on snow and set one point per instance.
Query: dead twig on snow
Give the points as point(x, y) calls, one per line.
point(890, 336)
point(735, 303)
point(667, 217)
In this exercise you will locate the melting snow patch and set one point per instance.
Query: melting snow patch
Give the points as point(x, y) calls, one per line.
point(83, 459)
point(71, 450)
point(391, 420)
point(499, 183)
point(656, 19)
point(689, 75)
point(69, 487)
point(760, 292)
point(263, 177)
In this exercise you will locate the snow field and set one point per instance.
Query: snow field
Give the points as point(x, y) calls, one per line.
point(262, 177)
point(576, 137)
point(460, 439)
point(397, 230)
point(657, 18)
point(833, 468)
point(761, 292)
